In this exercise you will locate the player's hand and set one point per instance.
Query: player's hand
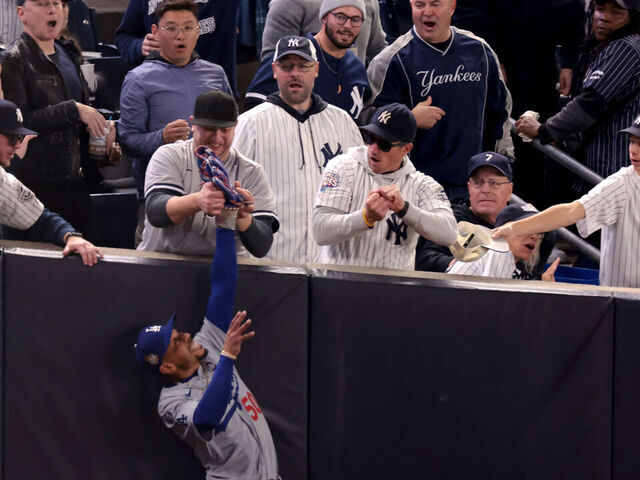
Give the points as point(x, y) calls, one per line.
point(176, 130)
point(244, 212)
point(426, 114)
point(393, 195)
point(210, 199)
point(527, 125)
point(22, 151)
point(149, 44)
point(237, 333)
point(87, 250)
point(549, 274)
point(95, 122)
point(375, 207)
point(564, 81)
point(503, 231)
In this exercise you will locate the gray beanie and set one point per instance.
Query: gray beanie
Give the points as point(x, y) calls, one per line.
point(329, 5)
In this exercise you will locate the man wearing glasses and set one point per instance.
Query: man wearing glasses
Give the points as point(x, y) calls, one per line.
point(293, 134)
point(373, 205)
point(342, 78)
point(490, 186)
point(157, 97)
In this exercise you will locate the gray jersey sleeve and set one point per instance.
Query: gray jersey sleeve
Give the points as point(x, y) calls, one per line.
point(19, 207)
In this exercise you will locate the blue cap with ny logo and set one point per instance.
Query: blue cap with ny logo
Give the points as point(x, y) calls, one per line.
point(294, 45)
point(394, 123)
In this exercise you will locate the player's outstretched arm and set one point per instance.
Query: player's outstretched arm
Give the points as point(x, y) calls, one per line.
point(210, 410)
point(552, 218)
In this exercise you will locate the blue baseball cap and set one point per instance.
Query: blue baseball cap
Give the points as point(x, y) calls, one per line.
point(634, 129)
point(295, 45)
point(152, 344)
point(394, 123)
point(11, 119)
point(492, 159)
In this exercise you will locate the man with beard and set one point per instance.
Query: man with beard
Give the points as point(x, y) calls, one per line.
point(293, 134)
point(342, 78)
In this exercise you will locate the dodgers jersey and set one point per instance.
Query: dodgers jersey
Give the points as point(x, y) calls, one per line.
point(294, 148)
point(614, 206)
point(465, 81)
point(19, 207)
point(174, 169)
point(241, 447)
point(391, 243)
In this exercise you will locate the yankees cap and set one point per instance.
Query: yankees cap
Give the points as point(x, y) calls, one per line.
point(492, 159)
point(215, 109)
point(394, 123)
point(474, 241)
point(152, 344)
point(11, 119)
point(295, 45)
point(515, 211)
point(634, 129)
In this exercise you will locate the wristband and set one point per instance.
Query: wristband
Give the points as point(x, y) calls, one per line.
point(403, 212)
point(366, 222)
point(68, 235)
point(229, 355)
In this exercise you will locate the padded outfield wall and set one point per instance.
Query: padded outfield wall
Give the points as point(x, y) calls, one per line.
point(360, 375)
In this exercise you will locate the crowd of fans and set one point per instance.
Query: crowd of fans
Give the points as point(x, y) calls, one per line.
point(349, 150)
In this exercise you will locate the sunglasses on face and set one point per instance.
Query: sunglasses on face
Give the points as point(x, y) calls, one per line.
point(383, 145)
point(14, 138)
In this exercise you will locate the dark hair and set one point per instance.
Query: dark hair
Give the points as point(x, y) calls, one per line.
point(174, 5)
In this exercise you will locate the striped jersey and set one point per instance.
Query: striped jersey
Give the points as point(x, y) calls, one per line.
point(294, 148)
point(10, 25)
point(19, 207)
point(174, 169)
point(339, 224)
point(614, 73)
point(492, 264)
point(614, 206)
point(465, 81)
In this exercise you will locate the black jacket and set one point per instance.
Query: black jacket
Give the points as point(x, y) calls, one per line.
point(35, 84)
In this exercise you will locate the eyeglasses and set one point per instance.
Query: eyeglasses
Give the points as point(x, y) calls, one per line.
point(14, 138)
point(341, 19)
point(492, 183)
point(302, 67)
point(187, 30)
point(383, 144)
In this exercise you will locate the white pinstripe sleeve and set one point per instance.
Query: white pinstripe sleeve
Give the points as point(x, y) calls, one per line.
point(604, 204)
point(19, 207)
point(493, 264)
point(245, 136)
point(336, 186)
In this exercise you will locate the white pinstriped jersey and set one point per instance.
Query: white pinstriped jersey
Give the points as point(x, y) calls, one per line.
point(174, 170)
point(19, 207)
point(391, 243)
point(614, 206)
point(10, 24)
point(492, 264)
point(293, 151)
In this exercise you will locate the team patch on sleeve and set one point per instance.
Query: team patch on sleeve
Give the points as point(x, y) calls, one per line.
point(442, 196)
point(24, 194)
point(330, 180)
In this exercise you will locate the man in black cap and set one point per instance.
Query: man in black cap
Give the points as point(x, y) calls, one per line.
point(490, 187)
point(181, 210)
point(19, 207)
point(373, 205)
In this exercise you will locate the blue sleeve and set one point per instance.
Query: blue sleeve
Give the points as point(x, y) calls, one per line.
point(213, 403)
point(391, 85)
point(131, 32)
point(133, 135)
point(224, 277)
point(50, 227)
point(496, 113)
point(263, 83)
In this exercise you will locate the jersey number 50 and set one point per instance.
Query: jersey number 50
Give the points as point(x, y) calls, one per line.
point(251, 405)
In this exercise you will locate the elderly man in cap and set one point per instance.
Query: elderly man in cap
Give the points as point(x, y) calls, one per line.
point(342, 78)
point(490, 186)
point(19, 207)
point(612, 206)
point(293, 134)
point(181, 209)
point(372, 204)
point(205, 402)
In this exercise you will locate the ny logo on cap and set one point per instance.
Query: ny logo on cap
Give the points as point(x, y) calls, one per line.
point(294, 42)
point(637, 120)
point(19, 115)
point(154, 329)
point(384, 117)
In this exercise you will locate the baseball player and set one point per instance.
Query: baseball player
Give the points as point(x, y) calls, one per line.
point(373, 205)
point(525, 258)
point(19, 207)
point(206, 404)
point(293, 134)
point(180, 209)
point(612, 206)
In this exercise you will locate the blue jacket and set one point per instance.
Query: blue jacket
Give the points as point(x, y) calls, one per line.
point(155, 94)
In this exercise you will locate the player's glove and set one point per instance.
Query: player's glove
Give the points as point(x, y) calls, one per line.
point(212, 170)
